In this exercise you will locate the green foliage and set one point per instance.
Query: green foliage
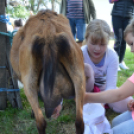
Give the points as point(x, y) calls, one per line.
point(17, 12)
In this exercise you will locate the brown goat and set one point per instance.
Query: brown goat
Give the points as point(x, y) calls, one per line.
point(45, 57)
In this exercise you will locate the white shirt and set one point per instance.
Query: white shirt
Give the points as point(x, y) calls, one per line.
point(105, 76)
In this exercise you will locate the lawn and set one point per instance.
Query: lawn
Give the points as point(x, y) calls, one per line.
point(14, 121)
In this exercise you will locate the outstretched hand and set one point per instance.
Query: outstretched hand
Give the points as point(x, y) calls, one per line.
point(130, 105)
point(57, 111)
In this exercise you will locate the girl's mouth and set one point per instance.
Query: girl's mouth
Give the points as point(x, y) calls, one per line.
point(96, 53)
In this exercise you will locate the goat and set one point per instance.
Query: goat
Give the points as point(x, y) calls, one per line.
point(46, 58)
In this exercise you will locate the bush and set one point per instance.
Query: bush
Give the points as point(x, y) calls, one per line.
point(17, 12)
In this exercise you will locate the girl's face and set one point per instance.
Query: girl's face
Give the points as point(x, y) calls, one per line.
point(96, 51)
point(130, 41)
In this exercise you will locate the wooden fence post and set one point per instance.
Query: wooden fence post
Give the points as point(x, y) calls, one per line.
point(3, 74)
point(8, 83)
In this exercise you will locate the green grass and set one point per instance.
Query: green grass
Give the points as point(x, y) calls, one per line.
point(129, 60)
point(14, 121)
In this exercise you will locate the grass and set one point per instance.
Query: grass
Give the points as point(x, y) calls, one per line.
point(15, 121)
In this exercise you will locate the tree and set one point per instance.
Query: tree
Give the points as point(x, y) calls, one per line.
point(35, 5)
point(3, 73)
point(8, 84)
point(53, 3)
point(17, 12)
point(30, 5)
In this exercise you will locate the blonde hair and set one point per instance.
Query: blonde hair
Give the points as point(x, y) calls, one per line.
point(129, 28)
point(98, 30)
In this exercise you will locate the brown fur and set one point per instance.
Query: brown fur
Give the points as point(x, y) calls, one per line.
point(45, 57)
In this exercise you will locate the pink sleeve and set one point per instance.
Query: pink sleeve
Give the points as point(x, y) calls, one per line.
point(131, 78)
point(112, 1)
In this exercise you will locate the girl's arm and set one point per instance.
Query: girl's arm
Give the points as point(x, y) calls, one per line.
point(112, 70)
point(110, 96)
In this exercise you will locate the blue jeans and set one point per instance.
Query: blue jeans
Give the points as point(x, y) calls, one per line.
point(119, 25)
point(79, 26)
point(123, 124)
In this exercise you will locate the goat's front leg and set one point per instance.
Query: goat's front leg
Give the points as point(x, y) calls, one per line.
point(79, 93)
point(30, 89)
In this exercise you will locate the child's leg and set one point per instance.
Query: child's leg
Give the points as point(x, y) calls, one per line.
point(123, 124)
point(121, 118)
point(120, 106)
point(89, 73)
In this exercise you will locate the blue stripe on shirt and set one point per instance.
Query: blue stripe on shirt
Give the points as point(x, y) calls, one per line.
point(75, 9)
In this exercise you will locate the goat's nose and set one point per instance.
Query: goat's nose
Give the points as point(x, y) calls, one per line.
point(49, 112)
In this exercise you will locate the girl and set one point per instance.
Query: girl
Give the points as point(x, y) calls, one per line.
point(17, 24)
point(122, 124)
point(101, 62)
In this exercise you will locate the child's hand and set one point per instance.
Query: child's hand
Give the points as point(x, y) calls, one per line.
point(57, 111)
point(130, 105)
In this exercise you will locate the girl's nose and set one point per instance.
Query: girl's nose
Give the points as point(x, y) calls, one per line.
point(97, 47)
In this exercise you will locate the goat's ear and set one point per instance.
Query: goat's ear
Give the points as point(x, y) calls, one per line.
point(36, 38)
point(61, 38)
point(38, 43)
point(62, 41)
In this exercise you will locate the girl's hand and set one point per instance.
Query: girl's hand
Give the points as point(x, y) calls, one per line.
point(57, 111)
point(130, 105)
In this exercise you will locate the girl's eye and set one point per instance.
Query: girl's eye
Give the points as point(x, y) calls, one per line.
point(131, 44)
point(92, 43)
point(103, 44)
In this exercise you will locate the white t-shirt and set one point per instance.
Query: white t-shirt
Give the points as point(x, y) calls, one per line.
point(106, 75)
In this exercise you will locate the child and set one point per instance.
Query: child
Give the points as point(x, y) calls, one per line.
point(122, 12)
point(101, 62)
point(122, 124)
point(17, 24)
